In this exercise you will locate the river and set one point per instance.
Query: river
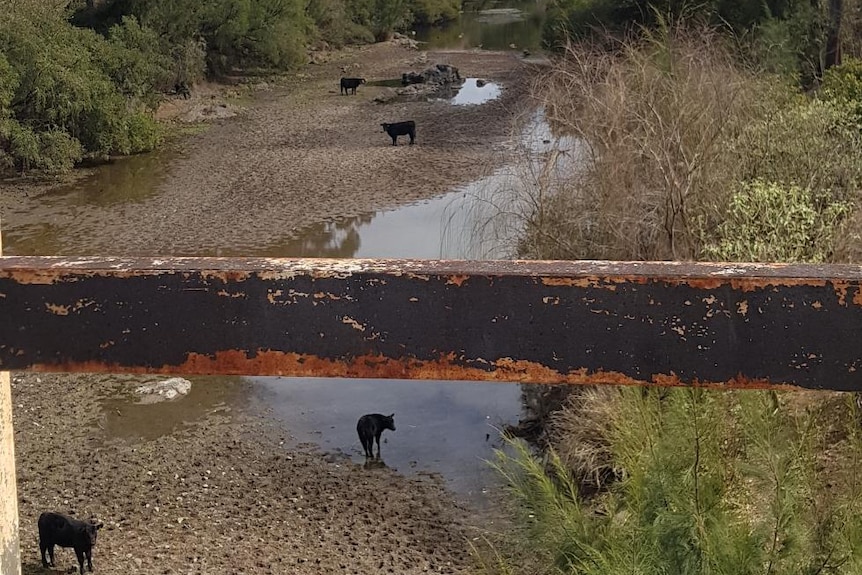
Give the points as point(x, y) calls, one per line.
point(449, 428)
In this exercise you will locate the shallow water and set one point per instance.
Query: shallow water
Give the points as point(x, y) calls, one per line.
point(471, 93)
point(501, 25)
point(444, 427)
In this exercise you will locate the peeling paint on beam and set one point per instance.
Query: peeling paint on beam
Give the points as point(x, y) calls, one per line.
point(638, 323)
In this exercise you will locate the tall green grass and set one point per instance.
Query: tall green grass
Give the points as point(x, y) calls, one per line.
point(707, 482)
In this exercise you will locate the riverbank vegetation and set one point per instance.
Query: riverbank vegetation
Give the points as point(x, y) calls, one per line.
point(80, 80)
point(805, 37)
point(675, 145)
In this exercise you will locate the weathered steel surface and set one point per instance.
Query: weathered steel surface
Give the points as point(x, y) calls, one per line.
point(546, 322)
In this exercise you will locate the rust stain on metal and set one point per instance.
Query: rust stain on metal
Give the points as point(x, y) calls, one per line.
point(745, 284)
point(585, 282)
point(239, 362)
point(457, 280)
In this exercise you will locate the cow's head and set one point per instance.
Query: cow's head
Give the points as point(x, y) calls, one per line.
point(385, 127)
point(361, 80)
point(389, 422)
point(92, 528)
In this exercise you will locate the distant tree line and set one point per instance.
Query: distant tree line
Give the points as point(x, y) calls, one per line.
point(806, 36)
point(80, 78)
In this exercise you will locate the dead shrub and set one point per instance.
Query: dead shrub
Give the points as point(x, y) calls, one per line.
point(654, 120)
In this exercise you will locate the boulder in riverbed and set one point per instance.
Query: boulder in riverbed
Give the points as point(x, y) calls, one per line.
point(165, 390)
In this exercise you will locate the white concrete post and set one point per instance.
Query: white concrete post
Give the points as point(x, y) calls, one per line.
point(10, 555)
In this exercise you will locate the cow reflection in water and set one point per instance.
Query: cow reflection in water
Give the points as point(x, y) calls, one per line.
point(374, 464)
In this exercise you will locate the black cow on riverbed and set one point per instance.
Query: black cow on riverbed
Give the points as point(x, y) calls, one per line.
point(369, 427)
point(65, 531)
point(407, 128)
point(349, 85)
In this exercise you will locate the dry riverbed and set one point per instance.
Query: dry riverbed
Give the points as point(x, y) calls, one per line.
point(226, 491)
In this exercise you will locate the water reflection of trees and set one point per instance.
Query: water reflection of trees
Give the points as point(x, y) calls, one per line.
point(473, 28)
point(338, 239)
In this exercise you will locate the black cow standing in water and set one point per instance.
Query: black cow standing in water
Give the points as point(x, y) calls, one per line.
point(369, 427)
point(65, 531)
point(407, 128)
point(349, 85)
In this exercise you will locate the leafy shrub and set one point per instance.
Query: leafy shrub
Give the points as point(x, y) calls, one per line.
point(843, 84)
point(798, 141)
point(427, 12)
point(189, 62)
point(136, 61)
point(67, 100)
point(766, 222)
point(335, 24)
point(23, 149)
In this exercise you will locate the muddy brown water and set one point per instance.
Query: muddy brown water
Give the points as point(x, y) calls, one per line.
point(492, 25)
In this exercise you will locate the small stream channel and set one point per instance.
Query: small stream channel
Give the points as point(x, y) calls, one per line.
point(448, 428)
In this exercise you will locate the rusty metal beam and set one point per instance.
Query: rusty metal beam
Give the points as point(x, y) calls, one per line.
point(745, 326)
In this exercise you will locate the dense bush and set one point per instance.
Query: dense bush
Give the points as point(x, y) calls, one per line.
point(652, 126)
point(668, 130)
point(766, 222)
point(732, 483)
point(73, 92)
point(843, 84)
point(777, 35)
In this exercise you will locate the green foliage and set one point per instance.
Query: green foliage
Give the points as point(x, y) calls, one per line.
point(766, 222)
point(336, 24)
point(8, 84)
point(135, 60)
point(799, 141)
point(711, 482)
point(427, 12)
point(388, 16)
point(23, 149)
point(843, 84)
point(74, 93)
point(786, 36)
point(252, 33)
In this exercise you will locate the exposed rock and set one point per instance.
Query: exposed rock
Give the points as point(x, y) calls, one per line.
point(439, 74)
point(385, 97)
point(480, 82)
point(402, 40)
point(164, 390)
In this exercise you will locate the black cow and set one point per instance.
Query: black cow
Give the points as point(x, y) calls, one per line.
point(348, 84)
point(65, 531)
point(407, 128)
point(182, 89)
point(369, 427)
